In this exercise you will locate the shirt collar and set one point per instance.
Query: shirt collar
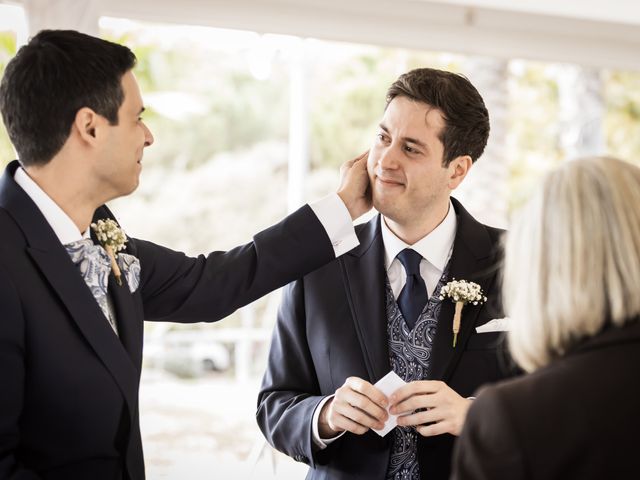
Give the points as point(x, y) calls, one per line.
point(60, 222)
point(435, 247)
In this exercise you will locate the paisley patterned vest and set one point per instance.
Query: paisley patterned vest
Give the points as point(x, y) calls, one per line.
point(410, 357)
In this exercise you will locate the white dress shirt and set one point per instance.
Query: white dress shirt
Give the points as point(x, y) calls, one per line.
point(62, 225)
point(435, 248)
point(336, 220)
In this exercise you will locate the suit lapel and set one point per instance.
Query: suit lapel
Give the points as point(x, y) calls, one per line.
point(473, 259)
point(363, 275)
point(130, 327)
point(63, 277)
point(130, 321)
point(52, 260)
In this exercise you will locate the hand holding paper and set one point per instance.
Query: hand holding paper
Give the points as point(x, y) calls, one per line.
point(431, 406)
point(356, 407)
point(388, 385)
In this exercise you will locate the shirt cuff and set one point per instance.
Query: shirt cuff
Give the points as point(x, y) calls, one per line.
point(321, 443)
point(335, 219)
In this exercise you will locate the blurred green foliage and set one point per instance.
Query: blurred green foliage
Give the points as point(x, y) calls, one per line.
point(234, 110)
point(348, 98)
point(533, 127)
point(228, 110)
point(622, 120)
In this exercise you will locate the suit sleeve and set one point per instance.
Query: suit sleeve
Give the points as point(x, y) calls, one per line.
point(12, 374)
point(207, 288)
point(488, 447)
point(290, 392)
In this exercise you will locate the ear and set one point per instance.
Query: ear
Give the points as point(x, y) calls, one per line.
point(458, 169)
point(86, 124)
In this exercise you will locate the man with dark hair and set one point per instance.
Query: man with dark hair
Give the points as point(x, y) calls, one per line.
point(381, 307)
point(71, 310)
point(52, 78)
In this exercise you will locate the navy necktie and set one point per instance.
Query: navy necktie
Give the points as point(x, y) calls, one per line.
point(413, 296)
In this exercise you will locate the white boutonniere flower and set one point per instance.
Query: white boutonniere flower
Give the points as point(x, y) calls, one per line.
point(112, 239)
point(461, 292)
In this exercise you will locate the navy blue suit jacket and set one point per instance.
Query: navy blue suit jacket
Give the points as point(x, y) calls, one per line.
point(68, 385)
point(332, 325)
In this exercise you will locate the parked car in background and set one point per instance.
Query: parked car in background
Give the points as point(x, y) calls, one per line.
point(192, 353)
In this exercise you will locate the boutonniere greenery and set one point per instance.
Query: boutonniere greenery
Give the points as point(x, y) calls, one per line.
point(461, 292)
point(112, 239)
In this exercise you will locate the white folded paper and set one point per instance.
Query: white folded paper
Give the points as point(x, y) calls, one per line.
point(387, 385)
point(495, 325)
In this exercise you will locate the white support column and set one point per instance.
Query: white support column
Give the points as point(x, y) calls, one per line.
point(81, 15)
point(243, 345)
point(485, 190)
point(298, 127)
point(14, 19)
point(581, 111)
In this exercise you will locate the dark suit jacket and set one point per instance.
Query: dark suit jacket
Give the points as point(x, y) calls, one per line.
point(577, 418)
point(68, 385)
point(332, 325)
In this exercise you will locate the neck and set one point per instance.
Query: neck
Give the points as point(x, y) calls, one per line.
point(68, 187)
point(416, 228)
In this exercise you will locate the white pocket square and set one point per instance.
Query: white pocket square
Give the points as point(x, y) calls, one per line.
point(495, 325)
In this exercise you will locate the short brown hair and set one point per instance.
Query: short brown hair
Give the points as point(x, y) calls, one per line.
point(466, 118)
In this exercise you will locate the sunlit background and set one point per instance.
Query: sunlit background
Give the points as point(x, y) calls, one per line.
point(249, 126)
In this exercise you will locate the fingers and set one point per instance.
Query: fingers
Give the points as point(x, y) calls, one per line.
point(355, 162)
point(357, 418)
point(366, 389)
point(343, 423)
point(357, 406)
point(432, 406)
point(354, 190)
point(417, 388)
point(363, 156)
point(363, 396)
point(414, 395)
point(414, 403)
point(434, 429)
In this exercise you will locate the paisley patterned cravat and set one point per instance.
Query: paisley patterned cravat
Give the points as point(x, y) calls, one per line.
point(95, 266)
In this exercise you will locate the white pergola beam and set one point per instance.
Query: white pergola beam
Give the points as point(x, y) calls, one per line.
point(421, 25)
point(481, 29)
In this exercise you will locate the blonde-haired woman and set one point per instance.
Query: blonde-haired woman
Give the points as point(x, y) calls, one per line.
point(572, 292)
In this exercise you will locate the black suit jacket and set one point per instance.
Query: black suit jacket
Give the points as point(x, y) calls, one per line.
point(332, 325)
point(68, 385)
point(577, 418)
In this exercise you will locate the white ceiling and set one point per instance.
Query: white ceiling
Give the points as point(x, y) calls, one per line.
point(617, 11)
point(591, 32)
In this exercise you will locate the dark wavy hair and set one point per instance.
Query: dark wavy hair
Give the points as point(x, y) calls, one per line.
point(466, 118)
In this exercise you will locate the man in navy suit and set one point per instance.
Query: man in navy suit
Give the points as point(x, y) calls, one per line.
point(345, 326)
point(70, 332)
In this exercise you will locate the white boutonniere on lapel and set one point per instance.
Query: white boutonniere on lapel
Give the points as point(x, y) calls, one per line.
point(461, 292)
point(112, 239)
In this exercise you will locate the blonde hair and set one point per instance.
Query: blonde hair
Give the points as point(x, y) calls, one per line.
point(572, 260)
